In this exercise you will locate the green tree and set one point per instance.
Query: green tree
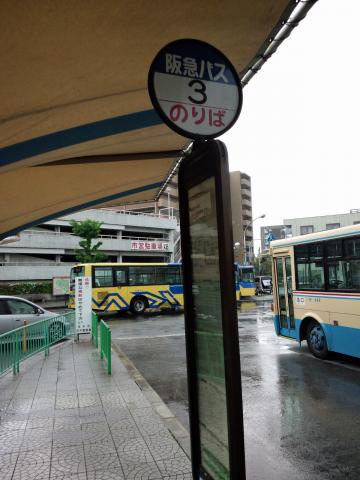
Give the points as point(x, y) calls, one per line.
point(88, 230)
point(263, 265)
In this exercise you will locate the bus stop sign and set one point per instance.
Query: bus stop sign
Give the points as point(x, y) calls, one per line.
point(195, 89)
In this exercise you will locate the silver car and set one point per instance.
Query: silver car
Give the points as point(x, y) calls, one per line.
point(14, 310)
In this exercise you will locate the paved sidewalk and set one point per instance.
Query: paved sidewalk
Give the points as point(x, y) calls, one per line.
point(65, 418)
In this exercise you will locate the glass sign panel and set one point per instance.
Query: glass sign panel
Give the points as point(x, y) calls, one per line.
point(208, 330)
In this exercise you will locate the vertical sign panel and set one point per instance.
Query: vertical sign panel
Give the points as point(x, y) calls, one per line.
point(83, 304)
point(210, 315)
point(208, 330)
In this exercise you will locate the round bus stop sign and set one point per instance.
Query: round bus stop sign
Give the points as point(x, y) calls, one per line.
point(195, 89)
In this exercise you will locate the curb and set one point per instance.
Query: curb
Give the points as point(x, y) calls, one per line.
point(180, 434)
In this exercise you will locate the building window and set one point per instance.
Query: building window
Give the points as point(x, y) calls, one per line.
point(305, 229)
point(331, 226)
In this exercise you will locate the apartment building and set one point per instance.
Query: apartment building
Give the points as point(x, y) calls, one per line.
point(241, 206)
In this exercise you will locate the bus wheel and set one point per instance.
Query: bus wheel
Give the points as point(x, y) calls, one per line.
point(316, 340)
point(138, 305)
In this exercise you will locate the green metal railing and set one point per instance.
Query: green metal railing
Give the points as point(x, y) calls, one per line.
point(94, 330)
point(105, 339)
point(105, 344)
point(23, 342)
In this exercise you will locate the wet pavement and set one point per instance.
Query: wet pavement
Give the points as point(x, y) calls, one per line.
point(301, 415)
point(64, 418)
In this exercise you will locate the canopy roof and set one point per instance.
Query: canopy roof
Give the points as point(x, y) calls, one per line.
point(77, 126)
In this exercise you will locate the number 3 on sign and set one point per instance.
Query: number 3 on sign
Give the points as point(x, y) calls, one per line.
point(200, 90)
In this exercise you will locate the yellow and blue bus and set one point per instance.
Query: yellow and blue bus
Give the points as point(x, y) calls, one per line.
point(131, 286)
point(244, 281)
point(317, 290)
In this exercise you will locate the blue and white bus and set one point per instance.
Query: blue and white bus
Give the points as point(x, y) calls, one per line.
point(317, 290)
point(244, 281)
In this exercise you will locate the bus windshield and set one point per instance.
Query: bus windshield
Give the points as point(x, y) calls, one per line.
point(75, 272)
point(247, 274)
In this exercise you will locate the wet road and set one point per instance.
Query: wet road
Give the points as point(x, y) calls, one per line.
point(301, 415)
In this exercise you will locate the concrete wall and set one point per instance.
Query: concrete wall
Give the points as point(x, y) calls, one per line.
point(34, 272)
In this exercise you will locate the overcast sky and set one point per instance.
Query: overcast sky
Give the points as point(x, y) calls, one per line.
point(297, 135)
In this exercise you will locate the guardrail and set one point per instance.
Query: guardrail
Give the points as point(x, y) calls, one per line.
point(105, 339)
point(169, 215)
point(23, 342)
point(94, 330)
point(105, 344)
point(35, 233)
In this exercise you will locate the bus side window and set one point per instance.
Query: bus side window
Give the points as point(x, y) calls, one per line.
point(161, 275)
point(174, 276)
point(142, 276)
point(103, 276)
point(120, 276)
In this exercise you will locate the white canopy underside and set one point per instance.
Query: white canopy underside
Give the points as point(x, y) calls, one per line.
point(77, 128)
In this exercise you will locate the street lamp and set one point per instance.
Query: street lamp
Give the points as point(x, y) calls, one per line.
point(250, 222)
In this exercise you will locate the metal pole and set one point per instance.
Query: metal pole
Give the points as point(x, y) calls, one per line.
point(109, 351)
point(168, 196)
point(24, 337)
point(245, 255)
point(250, 222)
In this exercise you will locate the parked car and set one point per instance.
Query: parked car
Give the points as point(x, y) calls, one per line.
point(263, 284)
point(14, 310)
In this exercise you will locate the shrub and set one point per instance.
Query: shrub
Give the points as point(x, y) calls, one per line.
point(25, 288)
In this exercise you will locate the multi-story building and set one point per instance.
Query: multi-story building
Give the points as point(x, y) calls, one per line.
point(48, 250)
point(240, 187)
point(273, 232)
point(166, 204)
point(302, 226)
point(241, 205)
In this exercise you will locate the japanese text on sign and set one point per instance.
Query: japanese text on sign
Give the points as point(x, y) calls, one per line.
point(191, 67)
point(151, 246)
point(195, 89)
point(83, 304)
point(181, 113)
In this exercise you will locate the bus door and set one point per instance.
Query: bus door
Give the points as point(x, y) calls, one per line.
point(284, 296)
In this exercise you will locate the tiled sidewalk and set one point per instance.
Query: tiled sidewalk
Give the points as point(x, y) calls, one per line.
point(64, 418)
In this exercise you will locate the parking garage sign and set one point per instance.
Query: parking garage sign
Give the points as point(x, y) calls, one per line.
point(195, 89)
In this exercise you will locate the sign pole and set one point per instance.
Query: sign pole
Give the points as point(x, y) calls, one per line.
point(211, 324)
point(197, 92)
